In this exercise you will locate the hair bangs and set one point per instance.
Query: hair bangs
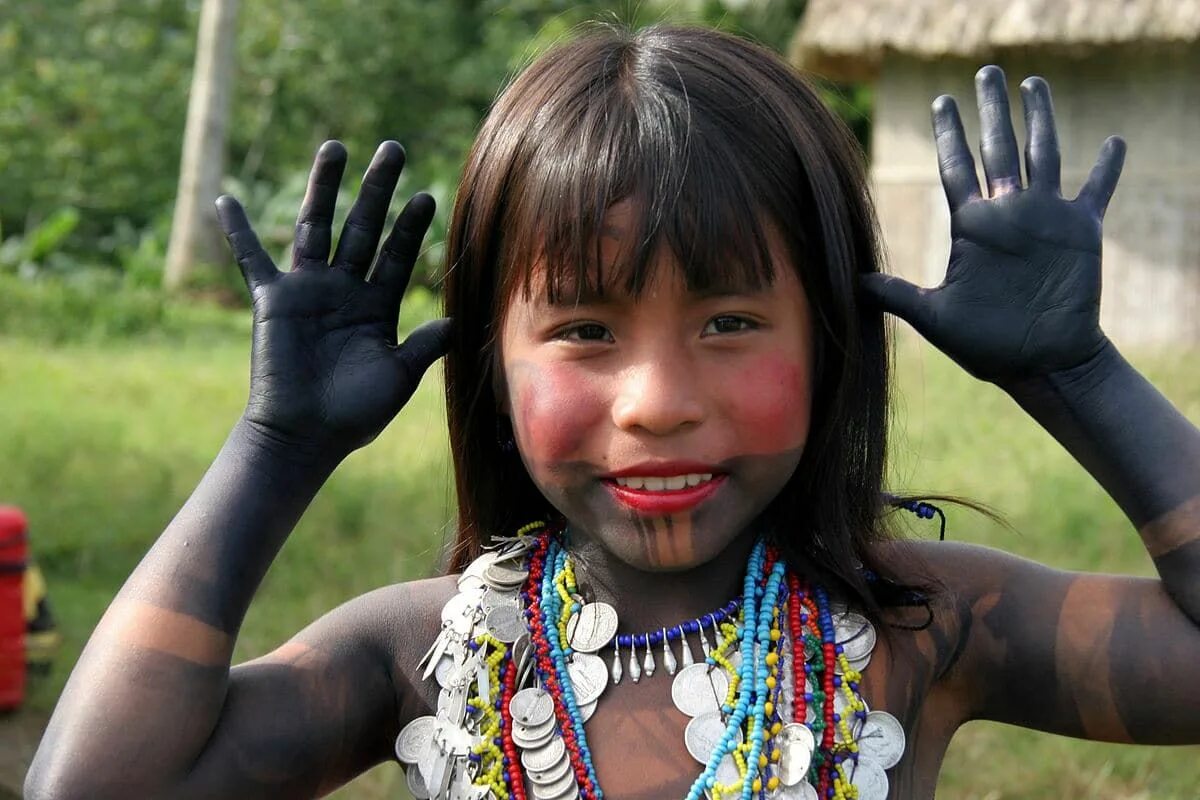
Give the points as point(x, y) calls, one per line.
point(642, 143)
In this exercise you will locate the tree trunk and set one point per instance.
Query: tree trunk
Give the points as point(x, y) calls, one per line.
point(196, 243)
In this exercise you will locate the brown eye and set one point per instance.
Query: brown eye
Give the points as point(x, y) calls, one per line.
point(727, 323)
point(587, 332)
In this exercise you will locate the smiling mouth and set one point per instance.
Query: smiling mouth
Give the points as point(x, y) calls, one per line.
point(657, 496)
point(664, 483)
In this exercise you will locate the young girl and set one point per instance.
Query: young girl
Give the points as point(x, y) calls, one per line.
point(667, 395)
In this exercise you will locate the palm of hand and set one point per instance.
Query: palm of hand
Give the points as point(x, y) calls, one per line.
point(324, 358)
point(1021, 296)
point(1022, 287)
point(326, 370)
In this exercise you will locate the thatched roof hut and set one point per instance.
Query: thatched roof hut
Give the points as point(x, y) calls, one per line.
point(850, 37)
point(1115, 66)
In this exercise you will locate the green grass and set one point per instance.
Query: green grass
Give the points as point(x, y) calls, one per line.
point(101, 441)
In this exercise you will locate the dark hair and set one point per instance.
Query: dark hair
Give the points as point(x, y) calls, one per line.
point(717, 141)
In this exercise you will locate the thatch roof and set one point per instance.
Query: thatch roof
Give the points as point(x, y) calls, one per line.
point(845, 38)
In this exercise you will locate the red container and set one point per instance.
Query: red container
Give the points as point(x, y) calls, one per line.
point(14, 552)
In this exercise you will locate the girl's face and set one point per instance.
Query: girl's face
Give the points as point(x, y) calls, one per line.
point(660, 426)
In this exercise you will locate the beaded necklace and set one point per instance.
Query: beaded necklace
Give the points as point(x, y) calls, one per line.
point(775, 703)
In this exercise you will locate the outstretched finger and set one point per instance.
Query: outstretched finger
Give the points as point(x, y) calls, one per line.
point(897, 296)
point(314, 225)
point(955, 163)
point(1102, 181)
point(256, 266)
point(360, 235)
point(1043, 164)
point(399, 252)
point(997, 142)
point(425, 345)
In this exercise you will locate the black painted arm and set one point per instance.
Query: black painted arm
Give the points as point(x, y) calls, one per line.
point(153, 708)
point(1019, 307)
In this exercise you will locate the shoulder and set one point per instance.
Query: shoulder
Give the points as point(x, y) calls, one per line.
point(960, 585)
point(955, 571)
point(390, 627)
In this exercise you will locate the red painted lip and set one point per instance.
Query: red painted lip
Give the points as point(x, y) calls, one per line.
point(664, 469)
point(659, 504)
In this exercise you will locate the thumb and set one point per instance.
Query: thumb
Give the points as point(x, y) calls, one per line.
point(897, 296)
point(425, 345)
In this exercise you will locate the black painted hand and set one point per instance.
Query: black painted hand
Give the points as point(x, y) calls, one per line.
point(326, 371)
point(1021, 296)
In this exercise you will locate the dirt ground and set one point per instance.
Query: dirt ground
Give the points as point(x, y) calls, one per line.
point(20, 732)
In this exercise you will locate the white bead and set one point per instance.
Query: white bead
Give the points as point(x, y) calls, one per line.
point(648, 663)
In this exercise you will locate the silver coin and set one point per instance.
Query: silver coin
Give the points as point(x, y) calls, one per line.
point(592, 627)
point(857, 664)
point(552, 774)
point(544, 757)
point(881, 740)
point(470, 583)
point(414, 738)
point(571, 793)
point(796, 745)
point(477, 567)
point(445, 669)
point(416, 784)
point(463, 603)
point(506, 623)
point(494, 598)
point(533, 737)
point(727, 771)
point(699, 688)
point(801, 791)
point(553, 789)
point(704, 733)
point(531, 707)
point(521, 648)
point(461, 612)
point(855, 634)
point(589, 677)
point(504, 575)
point(871, 781)
point(586, 710)
point(727, 775)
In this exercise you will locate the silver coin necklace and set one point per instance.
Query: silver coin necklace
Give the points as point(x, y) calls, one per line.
point(518, 666)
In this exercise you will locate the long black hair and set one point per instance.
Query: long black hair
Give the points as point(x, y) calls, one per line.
point(717, 141)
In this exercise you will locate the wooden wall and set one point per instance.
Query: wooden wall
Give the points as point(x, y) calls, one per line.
point(1152, 230)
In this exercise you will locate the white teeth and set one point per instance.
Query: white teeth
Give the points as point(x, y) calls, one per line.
point(672, 483)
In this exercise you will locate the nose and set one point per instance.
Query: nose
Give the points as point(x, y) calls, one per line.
point(659, 396)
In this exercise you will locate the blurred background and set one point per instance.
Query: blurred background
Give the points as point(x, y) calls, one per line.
point(124, 328)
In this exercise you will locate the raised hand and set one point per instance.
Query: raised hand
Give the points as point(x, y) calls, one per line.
point(326, 370)
point(1021, 296)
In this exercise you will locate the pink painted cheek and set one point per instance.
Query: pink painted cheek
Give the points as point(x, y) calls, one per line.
point(555, 413)
point(770, 402)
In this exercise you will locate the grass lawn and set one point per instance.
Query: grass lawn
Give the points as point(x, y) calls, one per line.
point(101, 443)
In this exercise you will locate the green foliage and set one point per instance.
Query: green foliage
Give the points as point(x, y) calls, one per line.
point(92, 102)
point(40, 245)
point(99, 306)
point(93, 98)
